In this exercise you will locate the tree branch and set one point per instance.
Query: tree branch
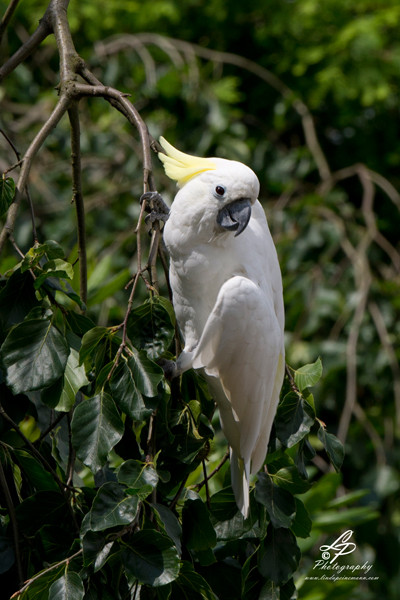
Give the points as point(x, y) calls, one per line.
point(26, 49)
point(45, 571)
point(14, 523)
point(241, 62)
point(77, 197)
point(7, 17)
point(58, 112)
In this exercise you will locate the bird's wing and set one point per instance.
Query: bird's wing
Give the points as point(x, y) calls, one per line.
point(241, 344)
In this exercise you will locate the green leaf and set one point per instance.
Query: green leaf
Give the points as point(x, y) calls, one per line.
point(34, 355)
point(294, 419)
point(198, 533)
point(289, 479)
point(74, 379)
point(223, 505)
point(151, 326)
point(191, 584)
point(137, 475)
point(151, 558)
point(166, 518)
point(68, 587)
point(308, 375)
point(305, 453)
point(269, 591)
point(112, 507)
point(333, 447)
point(279, 555)
point(48, 507)
point(58, 268)
point(302, 523)
point(90, 341)
point(7, 556)
point(7, 191)
point(96, 428)
point(17, 298)
point(39, 478)
point(32, 258)
point(146, 373)
point(39, 588)
point(95, 549)
point(52, 249)
point(279, 503)
point(288, 591)
point(126, 394)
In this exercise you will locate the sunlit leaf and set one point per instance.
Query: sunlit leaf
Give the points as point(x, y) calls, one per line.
point(289, 479)
point(58, 268)
point(308, 375)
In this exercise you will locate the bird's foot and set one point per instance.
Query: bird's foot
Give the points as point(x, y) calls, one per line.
point(155, 206)
point(169, 368)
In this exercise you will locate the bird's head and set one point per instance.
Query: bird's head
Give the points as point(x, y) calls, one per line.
point(213, 188)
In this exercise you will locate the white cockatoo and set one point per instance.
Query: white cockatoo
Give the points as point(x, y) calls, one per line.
point(227, 295)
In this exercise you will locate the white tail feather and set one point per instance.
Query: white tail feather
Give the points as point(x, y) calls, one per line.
point(240, 473)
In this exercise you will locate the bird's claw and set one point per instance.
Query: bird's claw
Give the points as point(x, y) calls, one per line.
point(169, 368)
point(155, 206)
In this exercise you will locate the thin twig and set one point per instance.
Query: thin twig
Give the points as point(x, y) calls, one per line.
point(210, 475)
point(177, 495)
point(58, 112)
point(35, 452)
point(45, 571)
point(77, 196)
point(372, 433)
point(384, 336)
point(51, 427)
point(26, 49)
point(208, 500)
point(7, 17)
point(14, 523)
point(252, 67)
point(18, 155)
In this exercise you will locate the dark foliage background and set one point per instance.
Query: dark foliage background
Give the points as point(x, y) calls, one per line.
point(306, 93)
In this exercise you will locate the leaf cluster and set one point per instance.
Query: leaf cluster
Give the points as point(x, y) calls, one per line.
point(100, 456)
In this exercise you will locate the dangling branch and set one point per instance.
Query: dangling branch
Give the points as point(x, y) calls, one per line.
point(77, 197)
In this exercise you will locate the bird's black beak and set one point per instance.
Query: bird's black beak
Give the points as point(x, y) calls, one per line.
point(235, 216)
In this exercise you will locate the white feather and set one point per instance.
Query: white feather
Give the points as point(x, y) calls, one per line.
point(227, 294)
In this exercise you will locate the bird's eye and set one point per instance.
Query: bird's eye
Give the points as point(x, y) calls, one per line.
point(220, 190)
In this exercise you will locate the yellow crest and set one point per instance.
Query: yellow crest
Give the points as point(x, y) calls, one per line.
point(180, 166)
